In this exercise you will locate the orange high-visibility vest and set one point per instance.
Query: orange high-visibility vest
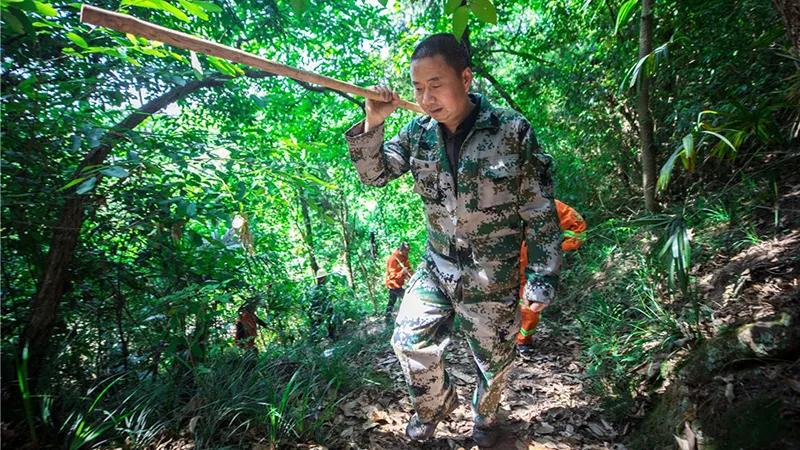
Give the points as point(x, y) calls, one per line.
point(395, 276)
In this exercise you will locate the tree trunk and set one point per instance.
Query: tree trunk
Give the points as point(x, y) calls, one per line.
point(790, 11)
point(643, 110)
point(66, 231)
point(309, 235)
point(368, 282)
point(346, 238)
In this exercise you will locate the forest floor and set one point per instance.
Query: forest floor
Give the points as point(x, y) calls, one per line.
point(545, 405)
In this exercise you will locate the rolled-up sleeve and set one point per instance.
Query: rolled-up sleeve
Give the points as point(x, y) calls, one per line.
point(538, 211)
point(377, 162)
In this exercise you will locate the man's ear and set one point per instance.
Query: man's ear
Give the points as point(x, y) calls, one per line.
point(466, 78)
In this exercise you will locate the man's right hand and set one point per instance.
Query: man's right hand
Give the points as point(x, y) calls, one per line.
point(379, 110)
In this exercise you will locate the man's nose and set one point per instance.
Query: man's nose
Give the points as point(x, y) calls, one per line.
point(427, 97)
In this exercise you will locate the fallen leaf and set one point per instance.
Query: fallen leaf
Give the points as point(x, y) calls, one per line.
point(544, 428)
point(597, 429)
point(689, 440)
point(193, 423)
point(368, 425)
point(349, 408)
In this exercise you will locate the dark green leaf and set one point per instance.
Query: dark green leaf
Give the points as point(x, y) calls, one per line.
point(14, 18)
point(460, 20)
point(300, 6)
point(451, 5)
point(86, 186)
point(115, 171)
point(484, 10)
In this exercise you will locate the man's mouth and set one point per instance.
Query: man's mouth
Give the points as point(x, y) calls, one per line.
point(435, 111)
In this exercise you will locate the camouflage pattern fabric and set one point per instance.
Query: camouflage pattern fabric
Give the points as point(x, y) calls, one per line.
point(504, 196)
point(421, 337)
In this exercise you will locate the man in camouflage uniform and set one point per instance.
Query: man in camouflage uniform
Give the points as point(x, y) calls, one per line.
point(486, 186)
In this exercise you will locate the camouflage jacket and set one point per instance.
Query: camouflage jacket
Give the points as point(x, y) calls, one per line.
point(475, 229)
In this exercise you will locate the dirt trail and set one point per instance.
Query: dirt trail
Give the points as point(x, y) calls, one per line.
point(545, 406)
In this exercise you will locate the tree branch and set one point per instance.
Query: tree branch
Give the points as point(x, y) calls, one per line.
point(498, 87)
point(311, 87)
point(522, 55)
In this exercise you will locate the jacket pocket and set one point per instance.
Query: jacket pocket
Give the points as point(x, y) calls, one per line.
point(499, 181)
point(426, 178)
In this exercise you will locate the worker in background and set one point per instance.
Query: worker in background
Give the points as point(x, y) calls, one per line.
point(571, 222)
point(398, 271)
point(247, 326)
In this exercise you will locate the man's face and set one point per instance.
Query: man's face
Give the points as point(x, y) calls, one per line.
point(439, 89)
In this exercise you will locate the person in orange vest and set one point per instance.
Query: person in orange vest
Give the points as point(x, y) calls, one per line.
point(398, 271)
point(247, 326)
point(572, 222)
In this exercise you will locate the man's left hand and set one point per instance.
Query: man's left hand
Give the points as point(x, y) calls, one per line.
point(533, 306)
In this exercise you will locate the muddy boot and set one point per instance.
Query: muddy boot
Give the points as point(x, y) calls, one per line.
point(419, 431)
point(485, 437)
point(525, 350)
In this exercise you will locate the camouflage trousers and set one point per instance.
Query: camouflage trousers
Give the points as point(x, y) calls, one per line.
point(422, 333)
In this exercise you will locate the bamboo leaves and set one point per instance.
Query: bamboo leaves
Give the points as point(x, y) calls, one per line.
point(646, 66)
point(625, 12)
point(726, 146)
point(673, 250)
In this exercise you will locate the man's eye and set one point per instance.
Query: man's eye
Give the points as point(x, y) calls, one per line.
point(436, 87)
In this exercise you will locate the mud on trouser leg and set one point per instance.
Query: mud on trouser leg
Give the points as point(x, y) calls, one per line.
point(420, 338)
point(490, 328)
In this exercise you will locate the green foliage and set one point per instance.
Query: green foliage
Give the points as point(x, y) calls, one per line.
point(673, 250)
point(625, 11)
point(198, 209)
point(484, 10)
point(622, 320)
point(646, 66)
point(79, 427)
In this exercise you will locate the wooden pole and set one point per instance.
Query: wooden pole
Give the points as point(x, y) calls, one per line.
point(129, 24)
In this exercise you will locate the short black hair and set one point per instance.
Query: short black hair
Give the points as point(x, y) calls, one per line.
point(454, 53)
